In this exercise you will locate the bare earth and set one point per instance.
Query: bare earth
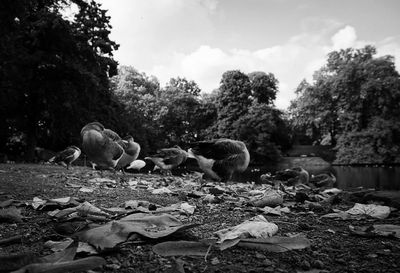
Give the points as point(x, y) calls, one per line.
point(333, 247)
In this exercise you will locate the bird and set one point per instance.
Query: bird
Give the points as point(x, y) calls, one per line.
point(136, 165)
point(168, 158)
point(44, 155)
point(101, 145)
point(302, 177)
point(323, 180)
point(220, 158)
point(67, 156)
point(131, 152)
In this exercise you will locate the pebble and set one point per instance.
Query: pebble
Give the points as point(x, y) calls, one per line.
point(318, 264)
point(260, 256)
point(305, 265)
point(267, 262)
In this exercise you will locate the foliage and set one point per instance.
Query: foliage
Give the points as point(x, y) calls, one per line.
point(264, 131)
point(233, 102)
point(162, 117)
point(245, 113)
point(355, 99)
point(264, 86)
point(55, 71)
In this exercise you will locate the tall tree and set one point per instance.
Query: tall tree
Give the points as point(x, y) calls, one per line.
point(233, 102)
point(264, 86)
point(55, 71)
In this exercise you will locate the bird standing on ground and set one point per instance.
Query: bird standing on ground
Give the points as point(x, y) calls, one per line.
point(220, 158)
point(131, 152)
point(302, 177)
point(323, 180)
point(67, 156)
point(100, 145)
point(168, 158)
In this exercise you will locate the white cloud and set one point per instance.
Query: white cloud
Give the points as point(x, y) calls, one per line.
point(170, 38)
point(344, 38)
point(291, 62)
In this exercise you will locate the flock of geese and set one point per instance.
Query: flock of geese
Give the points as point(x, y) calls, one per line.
point(218, 158)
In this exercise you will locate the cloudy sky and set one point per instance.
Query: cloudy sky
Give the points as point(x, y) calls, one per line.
point(201, 39)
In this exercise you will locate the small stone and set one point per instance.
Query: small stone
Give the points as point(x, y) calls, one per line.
point(267, 262)
point(305, 265)
point(318, 264)
point(341, 261)
point(260, 256)
point(372, 255)
point(215, 261)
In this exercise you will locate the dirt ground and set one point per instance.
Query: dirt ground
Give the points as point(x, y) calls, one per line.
point(333, 247)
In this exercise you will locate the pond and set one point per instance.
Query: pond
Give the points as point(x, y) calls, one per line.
point(382, 178)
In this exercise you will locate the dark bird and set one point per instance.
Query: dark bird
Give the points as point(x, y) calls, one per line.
point(323, 180)
point(168, 158)
point(220, 158)
point(131, 152)
point(67, 156)
point(44, 155)
point(302, 177)
point(101, 145)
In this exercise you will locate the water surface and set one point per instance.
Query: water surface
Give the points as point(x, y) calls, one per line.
point(348, 177)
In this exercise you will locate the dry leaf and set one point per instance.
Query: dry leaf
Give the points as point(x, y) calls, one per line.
point(275, 243)
point(182, 248)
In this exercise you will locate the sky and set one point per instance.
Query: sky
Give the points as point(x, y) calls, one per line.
point(202, 39)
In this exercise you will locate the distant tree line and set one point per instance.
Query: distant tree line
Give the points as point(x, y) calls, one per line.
point(241, 108)
point(57, 73)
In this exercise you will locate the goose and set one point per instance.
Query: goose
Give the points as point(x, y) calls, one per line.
point(302, 177)
point(67, 156)
point(101, 146)
point(131, 152)
point(220, 158)
point(168, 158)
point(44, 155)
point(323, 180)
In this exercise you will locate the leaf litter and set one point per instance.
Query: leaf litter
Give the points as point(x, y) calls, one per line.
point(97, 224)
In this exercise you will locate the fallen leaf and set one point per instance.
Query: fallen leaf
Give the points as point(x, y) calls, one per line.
point(385, 230)
point(270, 198)
point(101, 180)
point(257, 227)
point(149, 226)
point(11, 214)
point(181, 248)
point(85, 189)
point(376, 211)
point(88, 209)
point(162, 190)
point(61, 267)
point(37, 202)
point(275, 243)
point(6, 203)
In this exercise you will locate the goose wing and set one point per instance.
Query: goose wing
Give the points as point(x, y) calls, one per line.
point(66, 155)
point(217, 149)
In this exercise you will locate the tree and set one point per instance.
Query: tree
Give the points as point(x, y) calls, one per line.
point(233, 101)
point(352, 96)
point(54, 76)
point(264, 86)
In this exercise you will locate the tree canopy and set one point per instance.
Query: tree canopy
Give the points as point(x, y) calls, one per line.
point(355, 99)
point(54, 71)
